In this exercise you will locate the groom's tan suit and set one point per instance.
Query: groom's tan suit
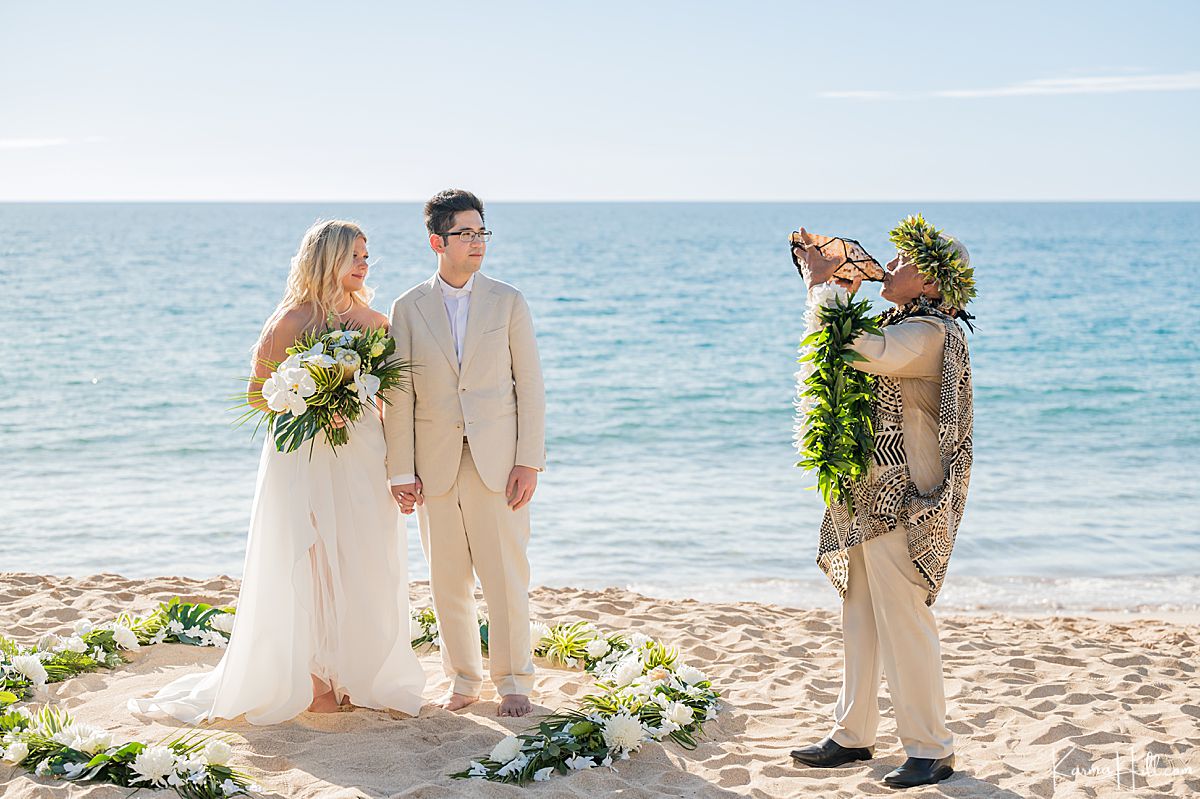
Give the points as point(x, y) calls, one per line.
point(476, 409)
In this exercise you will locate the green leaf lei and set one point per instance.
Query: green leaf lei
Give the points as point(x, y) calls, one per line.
point(838, 436)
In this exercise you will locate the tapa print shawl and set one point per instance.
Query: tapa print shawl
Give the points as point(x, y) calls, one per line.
point(887, 496)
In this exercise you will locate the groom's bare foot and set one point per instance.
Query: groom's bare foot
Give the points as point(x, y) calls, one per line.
point(515, 705)
point(454, 701)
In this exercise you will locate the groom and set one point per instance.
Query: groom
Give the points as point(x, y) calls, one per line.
point(464, 448)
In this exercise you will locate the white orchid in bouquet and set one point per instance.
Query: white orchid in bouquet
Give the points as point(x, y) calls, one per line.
point(328, 375)
point(50, 743)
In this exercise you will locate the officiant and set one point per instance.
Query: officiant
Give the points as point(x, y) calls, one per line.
point(888, 560)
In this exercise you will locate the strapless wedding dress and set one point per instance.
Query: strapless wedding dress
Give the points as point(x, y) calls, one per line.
point(324, 592)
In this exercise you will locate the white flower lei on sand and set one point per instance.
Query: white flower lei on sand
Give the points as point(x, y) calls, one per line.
point(646, 694)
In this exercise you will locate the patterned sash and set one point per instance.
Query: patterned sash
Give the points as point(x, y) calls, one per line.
point(887, 496)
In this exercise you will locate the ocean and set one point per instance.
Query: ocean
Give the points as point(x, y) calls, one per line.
point(668, 337)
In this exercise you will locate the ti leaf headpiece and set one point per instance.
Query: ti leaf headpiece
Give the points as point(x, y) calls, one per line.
point(937, 258)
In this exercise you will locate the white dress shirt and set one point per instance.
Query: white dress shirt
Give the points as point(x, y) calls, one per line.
point(458, 305)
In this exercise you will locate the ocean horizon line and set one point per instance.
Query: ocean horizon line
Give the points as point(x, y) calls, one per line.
point(490, 201)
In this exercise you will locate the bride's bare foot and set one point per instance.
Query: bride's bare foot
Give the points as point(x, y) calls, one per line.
point(325, 703)
point(515, 705)
point(454, 701)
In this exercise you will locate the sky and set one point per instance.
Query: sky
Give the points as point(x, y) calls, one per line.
point(797, 101)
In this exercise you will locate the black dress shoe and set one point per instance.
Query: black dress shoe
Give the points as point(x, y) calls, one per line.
point(920, 771)
point(830, 754)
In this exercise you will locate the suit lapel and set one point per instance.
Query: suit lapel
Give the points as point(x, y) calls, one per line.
point(433, 309)
point(479, 317)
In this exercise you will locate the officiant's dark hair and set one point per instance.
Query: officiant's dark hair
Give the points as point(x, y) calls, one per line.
point(441, 208)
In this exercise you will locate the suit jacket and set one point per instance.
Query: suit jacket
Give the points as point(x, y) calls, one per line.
point(496, 398)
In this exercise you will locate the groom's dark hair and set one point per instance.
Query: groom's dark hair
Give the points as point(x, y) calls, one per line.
point(441, 208)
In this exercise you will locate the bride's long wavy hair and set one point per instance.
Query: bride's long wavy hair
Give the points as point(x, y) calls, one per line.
point(325, 256)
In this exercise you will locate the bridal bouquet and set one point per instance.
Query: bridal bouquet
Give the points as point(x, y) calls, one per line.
point(336, 372)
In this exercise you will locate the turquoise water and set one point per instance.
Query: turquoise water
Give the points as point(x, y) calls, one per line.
point(668, 335)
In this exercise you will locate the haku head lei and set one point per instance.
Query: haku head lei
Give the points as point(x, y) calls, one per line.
point(939, 258)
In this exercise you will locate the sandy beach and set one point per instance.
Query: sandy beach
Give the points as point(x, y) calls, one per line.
point(1040, 706)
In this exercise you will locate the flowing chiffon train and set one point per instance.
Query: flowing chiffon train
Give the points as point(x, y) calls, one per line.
point(324, 592)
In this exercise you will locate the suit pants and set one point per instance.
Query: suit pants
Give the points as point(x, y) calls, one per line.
point(469, 531)
point(887, 625)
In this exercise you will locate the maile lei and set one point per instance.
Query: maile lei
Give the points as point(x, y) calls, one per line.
point(833, 430)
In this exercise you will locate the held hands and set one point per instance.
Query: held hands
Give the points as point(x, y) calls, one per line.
point(408, 496)
point(817, 268)
point(522, 482)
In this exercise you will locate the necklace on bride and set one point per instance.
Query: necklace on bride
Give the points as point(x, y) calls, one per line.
point(349, 308)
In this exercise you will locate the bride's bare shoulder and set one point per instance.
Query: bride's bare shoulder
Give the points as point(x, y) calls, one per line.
point(377, 319)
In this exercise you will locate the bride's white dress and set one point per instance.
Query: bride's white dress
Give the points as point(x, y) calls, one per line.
point(324, 591)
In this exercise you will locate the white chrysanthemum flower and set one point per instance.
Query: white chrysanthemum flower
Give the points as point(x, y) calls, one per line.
point(16, 752)
point(366, 385)
point(690, 674)
point(222, 622)
point(506, 750)
point(658, 674)
point(580, 763)
point(155, 764)
point(597, 648)
point(216, 753)
point(538, 633)
point(543, 774)
point(84, 737)
point(679, 713)
point(29, 666)
point(125, 638)
point(75, 644)
point(627, 671)
point(623, 732)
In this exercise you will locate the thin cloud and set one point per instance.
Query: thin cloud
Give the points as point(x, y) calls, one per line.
point(1111, 84)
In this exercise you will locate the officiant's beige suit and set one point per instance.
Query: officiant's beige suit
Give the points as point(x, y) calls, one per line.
point(461, 429)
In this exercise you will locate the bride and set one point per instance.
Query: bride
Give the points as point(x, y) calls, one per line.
point(322, 619)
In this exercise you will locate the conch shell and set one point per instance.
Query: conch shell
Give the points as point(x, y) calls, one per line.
point(856, 262)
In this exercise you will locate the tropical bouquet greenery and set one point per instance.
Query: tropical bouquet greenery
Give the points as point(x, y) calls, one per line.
point(328, 374)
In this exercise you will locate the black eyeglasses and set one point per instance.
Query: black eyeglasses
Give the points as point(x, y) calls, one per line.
point(471, 236)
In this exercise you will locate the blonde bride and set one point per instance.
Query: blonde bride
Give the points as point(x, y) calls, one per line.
point(322, 619)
